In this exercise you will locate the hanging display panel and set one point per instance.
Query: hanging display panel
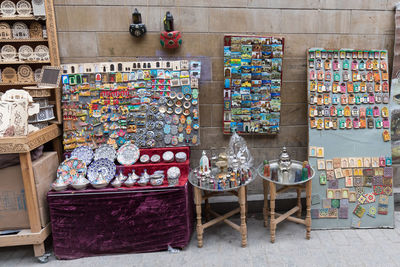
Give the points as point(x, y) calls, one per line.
point(151, 104)
point(252, 84)
point(349, 139)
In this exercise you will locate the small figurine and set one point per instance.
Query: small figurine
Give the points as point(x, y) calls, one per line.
point(204, 164)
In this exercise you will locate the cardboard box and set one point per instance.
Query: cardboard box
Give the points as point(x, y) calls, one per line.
point(13, 211)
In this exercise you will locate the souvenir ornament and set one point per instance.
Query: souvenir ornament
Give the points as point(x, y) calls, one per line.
point(84, 153)
point(105, 151)
point(137, 29)
point(180, 157)
point(70, 169)
point(132, 179)
point(128, 154)
point(169, 38)
point(99, 169)
point(168, 156)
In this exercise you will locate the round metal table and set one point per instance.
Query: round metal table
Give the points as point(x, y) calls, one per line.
point(270, 188)
point(205, 192)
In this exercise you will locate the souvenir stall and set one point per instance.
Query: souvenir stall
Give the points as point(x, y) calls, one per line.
point(123, 186)
point(29, 45)
point(349, 138)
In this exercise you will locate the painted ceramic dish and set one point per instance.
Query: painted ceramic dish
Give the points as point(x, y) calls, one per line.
point(70, 169)
point(83, 153)
point(168, 156)
point(104, 166)
point(105, 152)
point(128, 154)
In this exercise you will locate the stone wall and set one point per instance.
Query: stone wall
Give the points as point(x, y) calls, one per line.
point(97, 30)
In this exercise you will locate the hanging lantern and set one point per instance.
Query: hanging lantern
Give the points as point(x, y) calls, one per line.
point(137, 29)
point(169, 38)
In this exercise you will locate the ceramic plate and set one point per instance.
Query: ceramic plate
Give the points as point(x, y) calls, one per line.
point(105, 166)
point(69, 170)
point(105, 152)
point(128, 154)
point(83, 153)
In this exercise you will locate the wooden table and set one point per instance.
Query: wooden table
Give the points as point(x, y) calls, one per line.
point(270, 187)
point(200, 195)
point(22, 145)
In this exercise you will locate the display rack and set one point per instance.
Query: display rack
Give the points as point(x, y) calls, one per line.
point(36, 235)
point(51, 42)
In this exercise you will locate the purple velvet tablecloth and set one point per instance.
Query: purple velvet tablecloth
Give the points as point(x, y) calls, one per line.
point(105, 221)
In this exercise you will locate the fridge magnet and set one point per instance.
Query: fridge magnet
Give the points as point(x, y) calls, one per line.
point(254, 81)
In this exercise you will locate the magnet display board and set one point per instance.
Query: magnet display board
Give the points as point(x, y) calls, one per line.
point(148, 103)
point(252, 84)
point(349, 139)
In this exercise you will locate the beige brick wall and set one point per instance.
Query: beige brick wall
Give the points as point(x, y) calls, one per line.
point(97, 30)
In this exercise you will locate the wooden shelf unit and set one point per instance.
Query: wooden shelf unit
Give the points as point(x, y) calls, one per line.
point(36, 235)
point(23, 62)
point(31, 40)
point(22, 145)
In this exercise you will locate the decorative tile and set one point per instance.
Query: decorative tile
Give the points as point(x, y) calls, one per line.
point(314, 213)
point(383, 199)
point(367, 181)
point(330, 175)
point(344, 203)
point(378, 189)
point(388, 172)
point(333, 184)
point(387, 190)
point(377, 180)
point(359, 211)
point(332, 213)
point(370, 197)
point(372, 211)
point(315, 199)
point(358, 181)
point(349, 181)
point(368, 172)
point(323, 213)
point(335, 203)
point(362, 199)
point(359, 190)
point(326, 203)
point(343, 213)
point(387, 181)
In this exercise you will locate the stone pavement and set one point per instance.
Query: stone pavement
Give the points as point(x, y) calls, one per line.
point(372, 247)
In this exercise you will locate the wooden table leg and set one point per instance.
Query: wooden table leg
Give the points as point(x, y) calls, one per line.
point(272, 195)
point(265, 209)
point(308, 205)
point(199, 227)
point(242, 203)
point(57, 147)
point(207, 209)
point(299, 202)
point(31, 198)
point(247, 205)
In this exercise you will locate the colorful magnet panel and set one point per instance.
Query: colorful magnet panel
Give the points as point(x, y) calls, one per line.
point(348, 89)
point(252, 84)
point(151, 103)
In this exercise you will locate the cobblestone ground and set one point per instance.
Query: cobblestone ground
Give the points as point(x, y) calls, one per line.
point(372, 247)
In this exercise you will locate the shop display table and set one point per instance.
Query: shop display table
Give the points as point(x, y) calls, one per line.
point(275, 218)
point(120, 220)
point(204, 193)
point(22, 145)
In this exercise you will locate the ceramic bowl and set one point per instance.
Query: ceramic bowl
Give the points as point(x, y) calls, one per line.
point(129, 183)
point(116, 183)
point(59, 187)
point(180, 157)
point(157, 180)
point(101, 185)
point(79, 186)
point(143, 182)
point(168, 156)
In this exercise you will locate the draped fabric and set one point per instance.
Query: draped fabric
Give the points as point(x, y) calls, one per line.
point(124, 220)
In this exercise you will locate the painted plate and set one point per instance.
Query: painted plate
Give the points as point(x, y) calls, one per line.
point(128, 154)
point(104, 166)
point(69, 170)
point(83, 153)
point(105, 152)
